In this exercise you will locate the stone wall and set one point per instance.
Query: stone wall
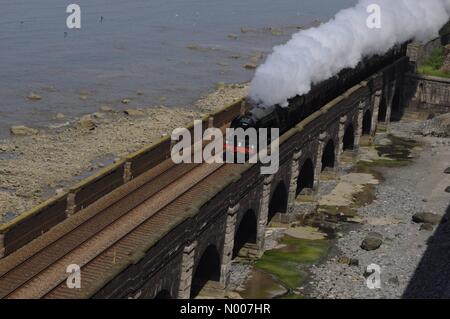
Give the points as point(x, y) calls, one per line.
point(426, 93)
point(422, 91)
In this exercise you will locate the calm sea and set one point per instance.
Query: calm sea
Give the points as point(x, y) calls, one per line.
point(170, 50)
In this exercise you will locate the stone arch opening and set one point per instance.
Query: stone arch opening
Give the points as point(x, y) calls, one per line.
point(208, 269)
point(397, 110)
point(278, 202)
point(246, 232)
point(367, 123)
point(382, 109)
point(396, 101)
point(305, 180)
point(349, 138)
point(328, 156)
point(163, 294)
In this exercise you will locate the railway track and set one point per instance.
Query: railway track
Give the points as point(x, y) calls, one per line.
point(106, 233)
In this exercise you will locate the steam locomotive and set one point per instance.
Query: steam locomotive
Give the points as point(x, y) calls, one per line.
point(300, 107)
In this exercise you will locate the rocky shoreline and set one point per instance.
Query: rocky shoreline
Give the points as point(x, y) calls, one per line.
point(35, 164)
point(406, 214)
point(389, 209)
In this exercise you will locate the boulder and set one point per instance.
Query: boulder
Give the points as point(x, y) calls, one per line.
point(447, 170)
point(426, 218)
point(372, 241)
point(105, 108)
point(126, 101)
point(22, 130)
point(87, 122)
point(426, 226)
point(34, 97)
point(447, 190)
point(59, 116)
point(98, 115)
point(134, 112)
point(250, 66)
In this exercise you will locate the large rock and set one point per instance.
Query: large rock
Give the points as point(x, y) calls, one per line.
point(447, 170)
point(98, 115)
point(438, 126)
point(87, 122)
point(250, 66)
point(34, 97)
point(426, 226)
point(372, 241)
point(134, 112)
point(426, 218)
point(106, 108)
point(22, 130)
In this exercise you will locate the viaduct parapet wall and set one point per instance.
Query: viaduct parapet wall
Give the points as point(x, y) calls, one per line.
point(424, 92)
point(427, 93)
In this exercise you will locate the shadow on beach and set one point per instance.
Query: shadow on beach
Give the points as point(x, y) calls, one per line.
point(431, 279)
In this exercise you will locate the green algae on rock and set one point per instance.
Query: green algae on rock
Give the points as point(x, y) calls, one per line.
point(289, 263)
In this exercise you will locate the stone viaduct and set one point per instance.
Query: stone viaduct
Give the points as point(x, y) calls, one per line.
point(200, 249)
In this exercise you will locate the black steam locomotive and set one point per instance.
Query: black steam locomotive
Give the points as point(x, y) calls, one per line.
point(301, 107)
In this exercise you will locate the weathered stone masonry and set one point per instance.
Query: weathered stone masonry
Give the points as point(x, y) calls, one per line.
point(426, 93)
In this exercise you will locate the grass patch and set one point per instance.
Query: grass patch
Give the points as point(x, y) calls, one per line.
point(290, 263)
point(434, 63)
point(428, 70)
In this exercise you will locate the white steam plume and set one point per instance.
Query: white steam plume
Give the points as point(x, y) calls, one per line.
point(317, 54)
